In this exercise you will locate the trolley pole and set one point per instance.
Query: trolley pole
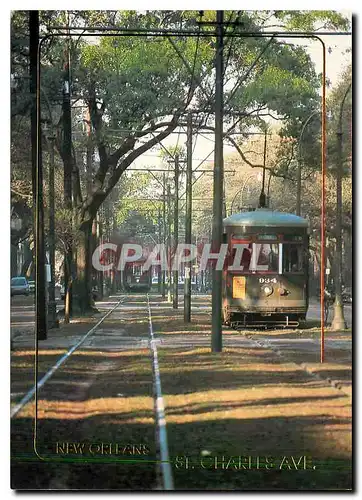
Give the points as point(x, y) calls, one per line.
point(262, 197)
point(188, 227)
point(37, 178)
point(175, 233)
point(216, 337)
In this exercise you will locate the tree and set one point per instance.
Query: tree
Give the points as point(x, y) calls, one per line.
point(137, 90)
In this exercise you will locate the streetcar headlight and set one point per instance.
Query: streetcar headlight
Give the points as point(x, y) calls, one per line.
point(268, 290)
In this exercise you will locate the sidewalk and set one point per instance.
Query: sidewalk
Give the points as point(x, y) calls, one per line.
point(23, 333)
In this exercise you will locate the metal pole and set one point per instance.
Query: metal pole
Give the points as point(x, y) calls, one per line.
point(169, 294)
point(100, 242)
point(268, 190)
point(241, 191)
point(262, 197)
point(159, 270)
point(52, 309)
point(323, 219)
point(37, 176)
point(175, 232)
point(67, 160)
point(163, 287)
point(339, 322)
point(188, 226)
point(216, 336)
point(33, 55)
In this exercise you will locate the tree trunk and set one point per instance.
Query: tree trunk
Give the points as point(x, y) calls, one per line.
point(82, 288)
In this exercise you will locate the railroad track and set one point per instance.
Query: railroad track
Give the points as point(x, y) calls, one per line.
point(283, 355)
point(40, 383)
point(163, 467)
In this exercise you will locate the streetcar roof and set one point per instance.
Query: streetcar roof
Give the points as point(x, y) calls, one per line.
point(265, 217)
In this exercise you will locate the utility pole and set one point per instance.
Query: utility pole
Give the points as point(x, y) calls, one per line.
point(52, 309)
point(175, 233)
point(169, 294)
point(37, 179)
point(33, 55)
point(188, 227)
point(339, 322)
point(67, 160)
point(216, 337)
point(100, 242)
point(90, 150)
point(89, 179)
point(163, 284)
point(159, 270)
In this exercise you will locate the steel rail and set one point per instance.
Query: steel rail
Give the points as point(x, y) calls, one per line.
point(53, 369)
point(160, 411)
point(283, 355)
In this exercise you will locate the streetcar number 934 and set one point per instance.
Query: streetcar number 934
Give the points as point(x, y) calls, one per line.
point(267, 280)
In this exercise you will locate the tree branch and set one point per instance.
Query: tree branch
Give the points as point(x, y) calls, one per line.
point(271, 169)
point(22, 195)
point(137, 152)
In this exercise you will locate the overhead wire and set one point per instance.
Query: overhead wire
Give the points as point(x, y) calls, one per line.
point(192, 76)
point(194, 62)
point(213, 87)
point(244, 77)
point(232, 39)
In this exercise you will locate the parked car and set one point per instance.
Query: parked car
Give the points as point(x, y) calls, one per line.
point(31, 286)
point(19, 286)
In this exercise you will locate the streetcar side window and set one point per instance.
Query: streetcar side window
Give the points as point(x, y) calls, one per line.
point(292, 258)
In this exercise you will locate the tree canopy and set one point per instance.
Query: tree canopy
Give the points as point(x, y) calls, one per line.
point(128, 93)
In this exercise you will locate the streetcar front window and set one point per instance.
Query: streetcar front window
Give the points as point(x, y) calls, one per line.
point(266, 257)
point(254, 257)
point(292, 258)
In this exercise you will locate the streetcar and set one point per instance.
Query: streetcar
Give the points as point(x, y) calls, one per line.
point(136, 278)
point(265, 279)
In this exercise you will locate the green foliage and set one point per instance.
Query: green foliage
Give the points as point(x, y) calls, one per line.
point(310, 20)
point(138, 82)
point(139, 79)
point(342, 91)
point(134, 190)
point(176, 149)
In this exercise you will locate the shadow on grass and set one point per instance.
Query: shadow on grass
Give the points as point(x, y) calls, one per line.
point(84, 405)
point(200, 416)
